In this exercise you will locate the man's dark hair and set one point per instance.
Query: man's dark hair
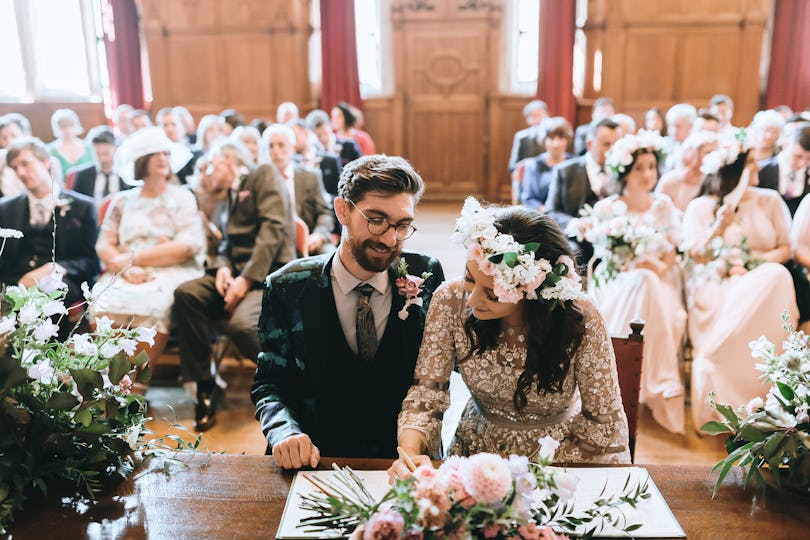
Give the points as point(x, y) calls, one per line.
point(801, 136)
point(606, 123)
point(101, 135)
point(33, 144)
point(378, 172)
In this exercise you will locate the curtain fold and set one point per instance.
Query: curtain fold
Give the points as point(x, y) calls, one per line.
point(556, 57)
point(340, 80)
point(789, 72)
point(123, 47)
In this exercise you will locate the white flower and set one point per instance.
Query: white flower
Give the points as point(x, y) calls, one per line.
point(7, 324)
point(84, 345)
point(548, 446)
point(128, 345)
point(132, 436)
point(761, 348)
point(10, 233)
point(52, 307)
point(29, 314)
point(86, 292)
point(45, 331)
point(52, 282)
point(110, 349)
point(779, 416)
point(566, 485)
point(41, 371)
point(146, 335)
point(754, 406)
point(103, 324)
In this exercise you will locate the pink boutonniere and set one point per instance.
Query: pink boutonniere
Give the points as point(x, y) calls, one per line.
point(244, 194)
point(63, 205)
point(410, 287)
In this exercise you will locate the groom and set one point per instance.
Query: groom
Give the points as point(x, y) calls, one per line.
point(339, 343)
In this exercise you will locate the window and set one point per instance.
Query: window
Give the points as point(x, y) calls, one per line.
point(523, 35)
point(371, 21)
point(51, 50)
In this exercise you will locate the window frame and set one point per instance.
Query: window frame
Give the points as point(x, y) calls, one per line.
point(511, 41)
point(385, 57)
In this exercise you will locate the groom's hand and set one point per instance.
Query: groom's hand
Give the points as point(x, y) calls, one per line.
point(296, 451)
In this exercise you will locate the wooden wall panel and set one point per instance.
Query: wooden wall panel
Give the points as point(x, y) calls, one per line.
point(39, 114)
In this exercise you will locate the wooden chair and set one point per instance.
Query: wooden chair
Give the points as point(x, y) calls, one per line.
point(629, 351)
point(301, 237)
point(517, 180)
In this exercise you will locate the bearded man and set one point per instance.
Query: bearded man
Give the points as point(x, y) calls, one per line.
point(339, 333)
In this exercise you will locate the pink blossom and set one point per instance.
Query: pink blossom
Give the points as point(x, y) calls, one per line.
point(385, 525)
point(754, 406)
point(505, 294)
point(572, 268)
point(486, 477)
point(125, 384)
point(431, 496)
point(737, 271)
point(450, 468)
point(475, 252)
point(492, 531)
point(409, 286)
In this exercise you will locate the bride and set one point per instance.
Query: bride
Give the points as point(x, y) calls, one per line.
point(532, 350)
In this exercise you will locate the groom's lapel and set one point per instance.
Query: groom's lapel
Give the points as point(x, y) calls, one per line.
point(315, 305)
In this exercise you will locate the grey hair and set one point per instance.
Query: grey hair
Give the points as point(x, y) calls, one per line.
point(65, 114)
point(278, 129)
point(233, 148)
point(681, 110)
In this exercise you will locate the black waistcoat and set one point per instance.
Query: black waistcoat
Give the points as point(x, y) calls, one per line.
point(359, 413)
point(36, 249)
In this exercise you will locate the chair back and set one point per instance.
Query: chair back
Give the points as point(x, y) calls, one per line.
point(629, 352)
point(103, 206)
point(517, 180)
point(301, 237)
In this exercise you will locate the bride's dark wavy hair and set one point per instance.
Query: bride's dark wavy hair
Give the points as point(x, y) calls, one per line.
point(725, 180)
point(553, 334)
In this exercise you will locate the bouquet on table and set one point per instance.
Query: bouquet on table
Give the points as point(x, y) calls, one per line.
point(482, 496)
point(67, 412)
point(620, 239)
point(775, 431)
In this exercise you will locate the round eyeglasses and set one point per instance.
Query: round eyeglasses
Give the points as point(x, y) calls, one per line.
point(379, 226)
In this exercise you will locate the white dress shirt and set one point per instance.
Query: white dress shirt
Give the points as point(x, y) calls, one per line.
point(597, 176)
point(790, 182)
point(112, 184)
point(343, 284)
point(46, 204)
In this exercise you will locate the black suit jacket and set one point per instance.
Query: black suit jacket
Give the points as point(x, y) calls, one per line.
point(76, 233)
point(569, 190)
point(769, 179)
point(292, 374)
point(85, 180)
point(524, 145)
point(330, 171)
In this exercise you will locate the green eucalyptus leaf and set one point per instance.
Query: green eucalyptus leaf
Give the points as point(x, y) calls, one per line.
point(119, 366)
point(62, 401)
point(750, 433)
point(531, 247)
point(83, 417)
point(141, 359)
point(772, 445)
point(496, 259)
point(510, 259)
point(729, 414)
point(144, 375)
point(91, 432)
point(87, 381)
point(714, 427)
point(785, 390)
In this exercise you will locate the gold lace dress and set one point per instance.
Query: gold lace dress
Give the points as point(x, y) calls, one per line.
point(586, 416)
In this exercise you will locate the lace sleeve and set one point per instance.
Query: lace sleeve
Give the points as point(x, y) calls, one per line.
point(429, 397)
point(600, 431)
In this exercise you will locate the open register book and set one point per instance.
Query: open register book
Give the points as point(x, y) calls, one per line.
point(654, 515)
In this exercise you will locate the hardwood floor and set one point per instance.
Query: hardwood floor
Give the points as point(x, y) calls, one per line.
point(238, 432)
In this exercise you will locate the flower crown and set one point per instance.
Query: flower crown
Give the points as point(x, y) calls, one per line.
point(516, 272)
point(620, 155)
point(728, 151)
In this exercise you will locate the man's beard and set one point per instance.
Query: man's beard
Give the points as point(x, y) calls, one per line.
point(360, 254)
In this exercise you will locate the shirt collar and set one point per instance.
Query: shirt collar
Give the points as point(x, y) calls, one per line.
point(51, 197)
point(346, 282)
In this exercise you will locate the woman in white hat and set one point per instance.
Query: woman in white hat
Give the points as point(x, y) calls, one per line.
point(151, 239)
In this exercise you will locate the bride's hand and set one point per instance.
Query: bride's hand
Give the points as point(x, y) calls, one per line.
point(399, 469)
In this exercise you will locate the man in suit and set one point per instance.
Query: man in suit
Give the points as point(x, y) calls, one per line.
point(338, 351)
point(602, 108)
point(787, 172)
point(258, 238)
point(305, 187)
point(26, 261)
point(12, 127)
point(582, 180)
point(97, 180)
point(528, 141)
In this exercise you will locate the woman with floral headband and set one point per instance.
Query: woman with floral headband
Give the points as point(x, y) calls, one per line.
point(738, 238)
point(532, 350)
point(647, 282)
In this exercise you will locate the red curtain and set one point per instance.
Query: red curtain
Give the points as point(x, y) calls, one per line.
point(123, 45)
point(789, 73)
point(556, 57)
point(340, 80)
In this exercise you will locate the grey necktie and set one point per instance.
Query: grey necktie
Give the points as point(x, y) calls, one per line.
point(366, 330)
point(40, 216)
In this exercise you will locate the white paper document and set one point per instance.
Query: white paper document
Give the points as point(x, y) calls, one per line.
point(655, 517)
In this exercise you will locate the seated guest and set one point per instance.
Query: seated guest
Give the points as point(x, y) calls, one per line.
point(526, 143)
point(98, 179)
point(36, 212)
point(188, 124)
point(139, 119)
point(258, 238)
point(171, 124)
point(788, 172)
point(250, 137)
point(706, 121)
point(536, 358)
point(800, 244)
point(122, 125)
point(580, 181)
point(210, 128)
point(304, 186)
point(287, 112)
point(602, 108)
point(654, 121)
point(68, 149)
point(339, 344)
point(321, 126)
point(12, 127)
point(346, 123)
point(230, 120)
point(731, 300)
point(556, 137)
point(680, 118)
point(626, 124)
point(722, 106)
point(682, 183)
point(151, 239)
point(766, 129)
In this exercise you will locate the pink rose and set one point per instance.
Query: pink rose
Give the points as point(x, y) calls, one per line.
point(737, 271)
point(475, 252)
point(385, 525)
point(572, 267)
point(409, 286)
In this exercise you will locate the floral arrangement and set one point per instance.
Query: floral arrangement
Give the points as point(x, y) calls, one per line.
point(728, 150)
point(482, 496)
point(729, 259)
point(67, 411)
point(620, 155)
point(620, 239)
point(517, 273)
point(409, 286)
point(775, 431)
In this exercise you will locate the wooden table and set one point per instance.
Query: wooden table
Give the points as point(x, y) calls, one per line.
point(228, 496)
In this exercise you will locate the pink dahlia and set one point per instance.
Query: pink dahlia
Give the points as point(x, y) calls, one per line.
point(486, 477)
point(385, 525)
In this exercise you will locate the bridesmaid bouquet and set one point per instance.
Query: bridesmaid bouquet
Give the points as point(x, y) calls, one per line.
point(775, 431)
point(620, 239)
point(482, 496)
point(729, 259)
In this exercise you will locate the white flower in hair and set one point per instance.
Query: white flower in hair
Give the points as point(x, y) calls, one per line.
point(728, 151)
point(620, 155)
